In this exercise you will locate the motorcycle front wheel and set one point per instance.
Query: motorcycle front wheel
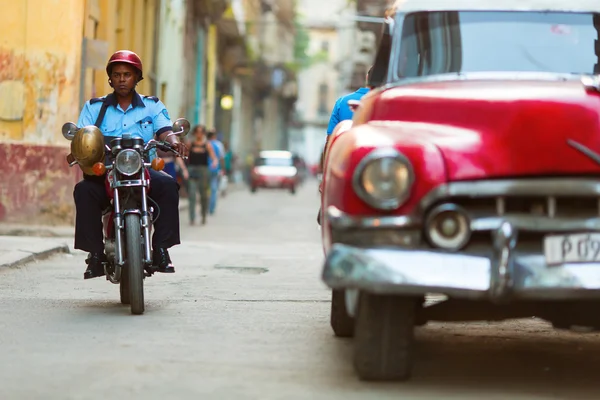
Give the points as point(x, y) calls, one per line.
point(134, 268)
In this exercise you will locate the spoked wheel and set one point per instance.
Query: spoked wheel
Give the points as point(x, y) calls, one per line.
point(384, 340)
point(134, 269)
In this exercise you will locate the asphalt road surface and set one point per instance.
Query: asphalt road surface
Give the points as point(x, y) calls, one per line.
point(247, 317)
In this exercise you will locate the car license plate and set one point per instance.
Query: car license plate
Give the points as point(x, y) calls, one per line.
point(574, 248)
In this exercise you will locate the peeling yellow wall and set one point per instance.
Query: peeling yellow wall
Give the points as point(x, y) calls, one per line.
point(40, 52)
point(40, 59)
point(124, 24)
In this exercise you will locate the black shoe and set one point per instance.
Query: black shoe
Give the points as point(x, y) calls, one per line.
point(95, 262)
point(162, 261)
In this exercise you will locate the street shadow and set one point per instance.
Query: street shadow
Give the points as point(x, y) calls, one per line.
point(454, 359)
point(110, 308)
point(523, 362)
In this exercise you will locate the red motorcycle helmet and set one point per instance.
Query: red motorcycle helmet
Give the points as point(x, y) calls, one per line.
point(127, 57)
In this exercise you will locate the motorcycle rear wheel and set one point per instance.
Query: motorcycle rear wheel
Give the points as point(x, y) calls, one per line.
point(135, 267)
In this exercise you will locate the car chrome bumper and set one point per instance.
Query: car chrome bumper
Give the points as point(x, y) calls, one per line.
point(506, 276)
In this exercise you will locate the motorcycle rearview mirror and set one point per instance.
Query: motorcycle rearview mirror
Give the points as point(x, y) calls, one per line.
point(181, 126)
point(68, 130)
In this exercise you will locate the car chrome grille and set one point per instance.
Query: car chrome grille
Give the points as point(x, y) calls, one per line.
point(547, 206)
point(525, 202)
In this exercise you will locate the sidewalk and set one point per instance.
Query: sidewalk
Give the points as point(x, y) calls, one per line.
point(23, 243)
point(19, 250)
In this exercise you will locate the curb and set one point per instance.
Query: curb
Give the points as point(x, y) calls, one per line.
point(37, 231)
point(37, 256)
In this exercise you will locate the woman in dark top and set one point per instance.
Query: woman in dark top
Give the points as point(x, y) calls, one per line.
point(197, 174)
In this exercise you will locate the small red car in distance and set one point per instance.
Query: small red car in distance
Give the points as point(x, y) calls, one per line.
point(471, 171)
point(274, 169)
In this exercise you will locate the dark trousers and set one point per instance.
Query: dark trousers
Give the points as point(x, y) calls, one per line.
point(198, 184)
point(91, 199)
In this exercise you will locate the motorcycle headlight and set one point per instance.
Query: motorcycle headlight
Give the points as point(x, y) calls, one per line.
point(383, 179)
point(128, 162)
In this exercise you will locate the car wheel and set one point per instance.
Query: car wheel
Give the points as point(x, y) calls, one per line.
point(341, 323)
point(253, 189)
point(293, 189)
point(384, 337)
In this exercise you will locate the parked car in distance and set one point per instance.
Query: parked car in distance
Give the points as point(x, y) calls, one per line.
point(274, 169)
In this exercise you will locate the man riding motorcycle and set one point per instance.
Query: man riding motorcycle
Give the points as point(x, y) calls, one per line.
point(126, 112)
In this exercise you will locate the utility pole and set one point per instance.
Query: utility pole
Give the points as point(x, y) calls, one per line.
point(211, 83)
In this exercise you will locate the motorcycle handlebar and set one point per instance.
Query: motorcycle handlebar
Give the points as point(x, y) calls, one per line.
point(153, 143)
point(165, 146)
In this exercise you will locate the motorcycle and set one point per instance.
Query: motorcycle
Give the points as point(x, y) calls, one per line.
point(127, 223)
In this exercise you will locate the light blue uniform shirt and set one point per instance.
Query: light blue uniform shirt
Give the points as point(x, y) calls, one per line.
point(341, 109)
point(146, 117)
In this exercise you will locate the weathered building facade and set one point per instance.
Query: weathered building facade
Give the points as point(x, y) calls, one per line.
point(331, 49)
point(222, 63)
point(40, 65)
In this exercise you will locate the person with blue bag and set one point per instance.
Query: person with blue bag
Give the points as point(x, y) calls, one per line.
point(215, 170)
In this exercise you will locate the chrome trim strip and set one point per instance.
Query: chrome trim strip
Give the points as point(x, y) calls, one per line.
point(377, 154)
point(340, 220)
point(507, 276)
point(555, 187)
point(406, 271)
point(146, 221)
point(591, 82)
point(132, 183)
point(551, 206)
point(532, 223)
point(505, 241)
point(132, 211)
point(118, 227)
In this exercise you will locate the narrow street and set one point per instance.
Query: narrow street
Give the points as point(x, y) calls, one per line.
point(247, 317)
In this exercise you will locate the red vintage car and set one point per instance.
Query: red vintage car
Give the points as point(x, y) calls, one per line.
point(274, 169)
point(471, 171)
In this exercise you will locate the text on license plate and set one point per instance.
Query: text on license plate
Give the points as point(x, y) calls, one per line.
point(574, 248)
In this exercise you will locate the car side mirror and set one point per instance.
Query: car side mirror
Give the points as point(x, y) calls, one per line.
point(353, 104)
point(68, 130)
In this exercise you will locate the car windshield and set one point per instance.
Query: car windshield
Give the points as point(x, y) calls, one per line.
point(275, 161)
point(480, 41)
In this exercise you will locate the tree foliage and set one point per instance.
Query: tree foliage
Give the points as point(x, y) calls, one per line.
point(301, 42)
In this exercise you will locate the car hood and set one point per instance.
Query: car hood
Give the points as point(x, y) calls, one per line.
point(494, 129)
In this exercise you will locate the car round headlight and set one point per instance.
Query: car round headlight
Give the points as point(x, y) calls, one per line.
point(383, 179)
point(448, 227)
point(128, 162)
